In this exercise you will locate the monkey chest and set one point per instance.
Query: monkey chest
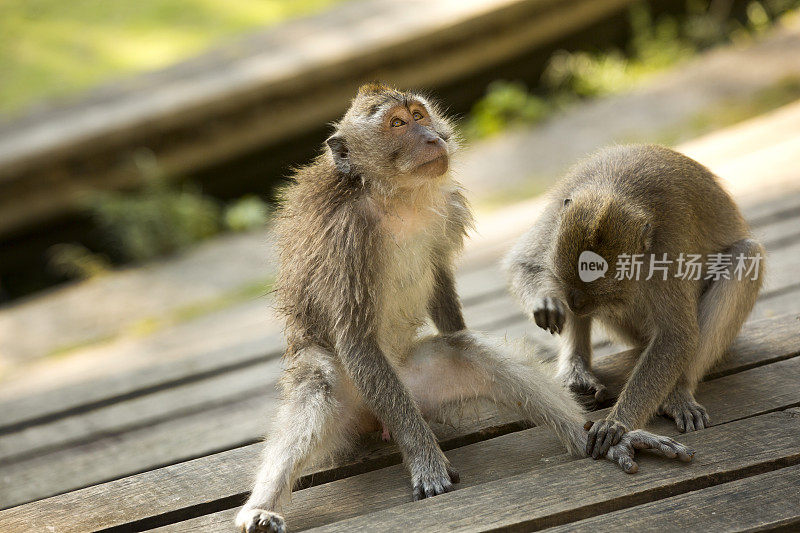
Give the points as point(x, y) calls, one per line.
point(405, 293)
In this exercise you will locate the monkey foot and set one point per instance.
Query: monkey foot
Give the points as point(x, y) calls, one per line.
point(427, 487)
point(685, 411)
point(586, 388)
point(622, 453)
point(260, 521)
point(385, 435)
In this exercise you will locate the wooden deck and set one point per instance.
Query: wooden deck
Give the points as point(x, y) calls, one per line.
point(173, 448)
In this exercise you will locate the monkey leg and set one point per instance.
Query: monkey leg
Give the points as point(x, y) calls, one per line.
point(452, 371)
point(575, 361)
point(315, 419)
point(723, 308)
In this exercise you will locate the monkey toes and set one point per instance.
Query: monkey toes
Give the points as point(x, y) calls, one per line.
point(685, 411)
point(622, 453)
point(260, 521)
point(429, 486)
point(549, 314)
point(586, 388)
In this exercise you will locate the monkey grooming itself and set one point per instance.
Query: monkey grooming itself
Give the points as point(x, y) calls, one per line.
point(367, 235)
point(640, 199)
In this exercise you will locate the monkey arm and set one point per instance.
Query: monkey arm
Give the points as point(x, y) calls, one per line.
point(387, 397)
point(535, 287)
point(659, 368)
point(444, 306)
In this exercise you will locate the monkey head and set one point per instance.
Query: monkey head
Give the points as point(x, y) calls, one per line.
point(394, 139)
point(609, 227)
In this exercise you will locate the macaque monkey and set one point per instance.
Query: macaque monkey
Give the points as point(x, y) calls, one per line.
point(619, 202)
point(367, 235)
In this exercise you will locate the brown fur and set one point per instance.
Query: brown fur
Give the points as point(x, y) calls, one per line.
point(637, 199)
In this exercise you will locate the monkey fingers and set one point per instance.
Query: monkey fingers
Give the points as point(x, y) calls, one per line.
point(549, 314)
point(428, 486)
point(669, 448)
point(260, 521)
point(603, 435)
point(685, 411)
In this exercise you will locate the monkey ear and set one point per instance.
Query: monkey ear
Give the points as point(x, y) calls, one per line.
point(341, 155)
point(567, 201)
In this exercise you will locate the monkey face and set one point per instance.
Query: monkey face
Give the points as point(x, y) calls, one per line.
point(397, 139)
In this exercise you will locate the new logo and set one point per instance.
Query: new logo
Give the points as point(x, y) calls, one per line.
point(591, 266)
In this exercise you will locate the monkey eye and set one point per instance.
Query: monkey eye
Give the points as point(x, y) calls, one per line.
point(397, 122)
point(417, 115)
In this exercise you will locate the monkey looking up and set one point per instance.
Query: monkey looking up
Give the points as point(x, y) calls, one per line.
point(624, 203)
point(367, 235)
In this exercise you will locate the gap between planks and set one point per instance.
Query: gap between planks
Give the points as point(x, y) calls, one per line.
point(79, 399)
point(230, 472)
point(218, 390)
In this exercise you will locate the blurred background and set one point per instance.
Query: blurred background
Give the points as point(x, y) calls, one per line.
point(141, 144)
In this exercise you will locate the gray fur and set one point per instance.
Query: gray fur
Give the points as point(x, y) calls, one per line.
point(367, 237)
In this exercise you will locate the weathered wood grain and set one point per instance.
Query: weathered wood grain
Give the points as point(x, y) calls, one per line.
point(477, 287)
point(206, 389)
point(772, 222)
point(244, 420)
point(173, 492)
point(196, 433)
point(759, 503)
point(549, 493)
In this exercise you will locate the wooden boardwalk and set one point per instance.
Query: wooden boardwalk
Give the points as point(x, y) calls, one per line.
point(174, 447)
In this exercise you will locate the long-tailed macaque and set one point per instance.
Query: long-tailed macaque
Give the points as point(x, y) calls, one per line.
point(367, 237)
point(657, 214)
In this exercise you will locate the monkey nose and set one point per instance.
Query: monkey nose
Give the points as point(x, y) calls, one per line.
point(576, 300)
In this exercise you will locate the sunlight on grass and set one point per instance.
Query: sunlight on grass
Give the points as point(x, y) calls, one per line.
point(55, 48)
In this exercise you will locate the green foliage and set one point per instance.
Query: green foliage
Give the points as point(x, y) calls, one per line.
point(506, 104)
point(249, 212)
point(52, 48)
point(655, 45)
point(158, 220)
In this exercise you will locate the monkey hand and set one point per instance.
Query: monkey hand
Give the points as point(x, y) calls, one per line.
point(432, 479)
point(260, 521)
point(623, 452)
point(603, 434)
point(549, 314)
point(689, 415)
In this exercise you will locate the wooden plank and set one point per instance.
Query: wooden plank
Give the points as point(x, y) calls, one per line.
point(44, 407)
point(548, 490)
point(759, 503)
point(773, 210)
point(568, 492)
point(173, 492)
point(476, 287)
point(118, 425)
point(113, 421)
point(243, 419)
point(217, 390)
